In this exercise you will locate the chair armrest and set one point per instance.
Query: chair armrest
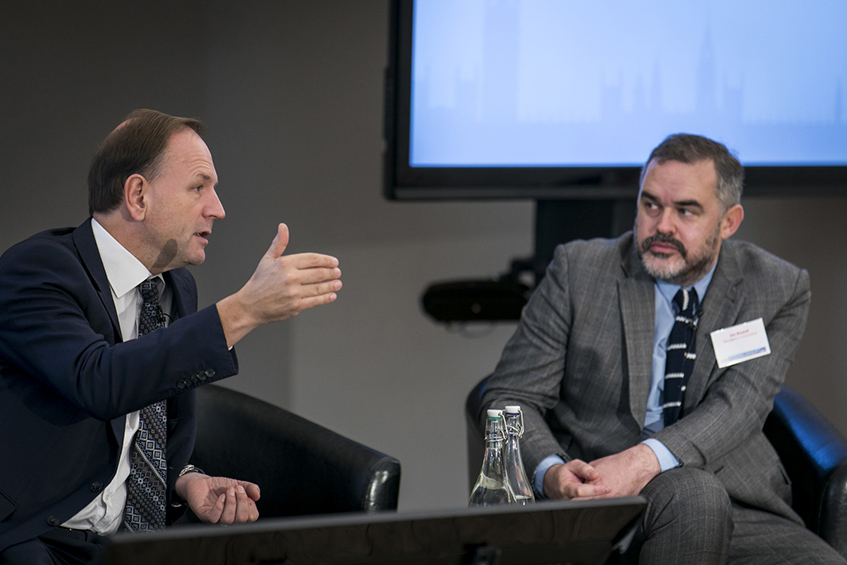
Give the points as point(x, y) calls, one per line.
point(300, 466)
point(475, 434)
point(814, 455)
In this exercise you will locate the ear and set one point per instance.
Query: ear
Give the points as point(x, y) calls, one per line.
point(731, 220)
point(135, 197)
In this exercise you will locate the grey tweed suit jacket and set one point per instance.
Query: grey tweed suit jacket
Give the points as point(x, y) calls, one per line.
point(580, 364)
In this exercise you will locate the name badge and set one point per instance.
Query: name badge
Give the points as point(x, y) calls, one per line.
point(740, 343)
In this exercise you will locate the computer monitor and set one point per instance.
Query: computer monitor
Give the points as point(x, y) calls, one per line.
point(567, 532)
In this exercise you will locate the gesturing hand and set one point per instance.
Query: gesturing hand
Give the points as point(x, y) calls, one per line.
point(219, 500)
point(281, 287)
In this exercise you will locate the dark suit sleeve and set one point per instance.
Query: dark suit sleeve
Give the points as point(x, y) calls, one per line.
point(739, 397)
point(55, 328)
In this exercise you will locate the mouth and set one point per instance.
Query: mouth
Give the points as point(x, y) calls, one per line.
point(203, 235)
point(663, 246)
point(663, 249)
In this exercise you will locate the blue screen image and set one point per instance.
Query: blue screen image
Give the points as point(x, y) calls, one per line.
point(560, 83)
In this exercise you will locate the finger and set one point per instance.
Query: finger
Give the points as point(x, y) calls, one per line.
point(244, 505)
point(214, 515)
point(314, 301)
point(252, 489)
point(312, 260)
point(583, 470)
point(577, 490)
point(317, 275)
point(320, 289)
point(279, 243)
point(230, 506)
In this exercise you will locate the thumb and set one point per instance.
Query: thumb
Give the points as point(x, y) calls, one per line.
point(279, 243)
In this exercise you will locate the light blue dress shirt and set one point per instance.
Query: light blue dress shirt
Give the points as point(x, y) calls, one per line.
point(653, 421)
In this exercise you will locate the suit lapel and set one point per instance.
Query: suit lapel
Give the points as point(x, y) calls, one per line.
point(637, 304)
point(721, 306)
point(182, 293)
point(90, 256)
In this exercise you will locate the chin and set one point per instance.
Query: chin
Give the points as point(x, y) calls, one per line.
point(664, 269)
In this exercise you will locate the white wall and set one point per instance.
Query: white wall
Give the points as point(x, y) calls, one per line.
point(292, 93)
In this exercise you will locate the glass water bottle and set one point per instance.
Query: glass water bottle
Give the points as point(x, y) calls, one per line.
point(492, 487)
point(515, 471)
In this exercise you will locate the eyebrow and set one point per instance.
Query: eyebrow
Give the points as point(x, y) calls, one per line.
point(682, 203)
point(204, 177)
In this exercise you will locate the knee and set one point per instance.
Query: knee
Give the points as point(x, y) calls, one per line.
point(692, 495)
point(688, 519)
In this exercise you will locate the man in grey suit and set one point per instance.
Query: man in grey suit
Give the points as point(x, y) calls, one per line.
point(588, 365)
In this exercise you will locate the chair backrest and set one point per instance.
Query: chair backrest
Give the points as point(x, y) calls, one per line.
point(813, 453)
point(300, 466)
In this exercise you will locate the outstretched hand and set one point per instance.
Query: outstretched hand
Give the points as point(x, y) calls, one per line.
point(281, 287)
point(219, 500)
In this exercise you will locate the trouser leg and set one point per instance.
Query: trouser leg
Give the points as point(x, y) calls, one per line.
point(688, 521)
point(761, 538)
point(58, 546)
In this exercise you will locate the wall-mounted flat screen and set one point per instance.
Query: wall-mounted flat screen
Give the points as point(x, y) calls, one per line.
point(565, 99)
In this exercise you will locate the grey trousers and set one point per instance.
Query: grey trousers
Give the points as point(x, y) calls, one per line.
point(690, 520)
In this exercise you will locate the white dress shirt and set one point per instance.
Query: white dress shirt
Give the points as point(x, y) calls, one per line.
point(105, 513)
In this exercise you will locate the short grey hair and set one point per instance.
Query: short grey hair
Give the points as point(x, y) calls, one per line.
point(690, 149)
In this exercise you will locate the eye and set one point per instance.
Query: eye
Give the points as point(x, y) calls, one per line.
point(650, 206)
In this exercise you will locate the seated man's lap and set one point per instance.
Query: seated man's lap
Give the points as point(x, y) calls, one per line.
point(691, 519)
point(56, 546)
point(760, 537)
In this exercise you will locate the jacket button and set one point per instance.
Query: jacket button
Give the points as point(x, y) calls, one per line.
point(210, 372)
point(180, 384)
point(96, 487)
point(52, 521)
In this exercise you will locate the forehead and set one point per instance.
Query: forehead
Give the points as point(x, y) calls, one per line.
point(675, 181)
point(187, 154)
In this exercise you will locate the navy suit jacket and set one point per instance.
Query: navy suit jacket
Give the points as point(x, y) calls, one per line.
point(67, 380)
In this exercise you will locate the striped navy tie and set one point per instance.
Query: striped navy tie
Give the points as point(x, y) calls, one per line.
point(148, 476)
point(680, 353)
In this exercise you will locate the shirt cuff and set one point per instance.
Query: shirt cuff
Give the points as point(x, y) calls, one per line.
point(667, 460)
point(541, 470)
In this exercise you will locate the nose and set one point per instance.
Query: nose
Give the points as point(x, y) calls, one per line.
point(665, 223)
point(214, 208)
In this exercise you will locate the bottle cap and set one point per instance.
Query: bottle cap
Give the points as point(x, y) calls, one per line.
point(514, 409)
point(493, 413)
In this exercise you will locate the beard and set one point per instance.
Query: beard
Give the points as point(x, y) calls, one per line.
point(684, 269)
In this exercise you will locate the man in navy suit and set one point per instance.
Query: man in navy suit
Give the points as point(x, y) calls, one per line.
point(73, 376)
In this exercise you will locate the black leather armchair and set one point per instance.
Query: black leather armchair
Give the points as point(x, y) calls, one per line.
point(812, 451)
point(301, 467)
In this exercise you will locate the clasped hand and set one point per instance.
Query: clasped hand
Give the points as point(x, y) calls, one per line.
point(621, 474)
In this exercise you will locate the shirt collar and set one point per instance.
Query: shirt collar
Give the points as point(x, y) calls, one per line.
point(123, 269)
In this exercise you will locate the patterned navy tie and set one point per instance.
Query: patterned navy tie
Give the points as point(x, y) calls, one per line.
point(680, 354)
point(148, 476)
